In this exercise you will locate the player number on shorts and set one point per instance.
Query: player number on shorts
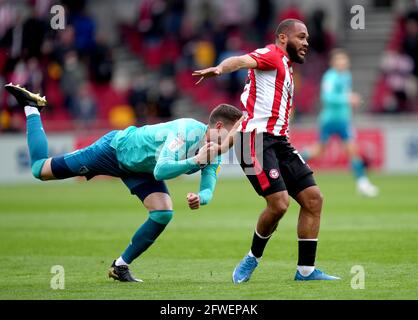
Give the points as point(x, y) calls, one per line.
point(300, 157)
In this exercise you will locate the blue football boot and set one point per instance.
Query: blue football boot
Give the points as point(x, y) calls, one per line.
point(244, 269)
point(315, 275)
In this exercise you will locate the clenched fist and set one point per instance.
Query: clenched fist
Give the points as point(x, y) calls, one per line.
point(193, 200)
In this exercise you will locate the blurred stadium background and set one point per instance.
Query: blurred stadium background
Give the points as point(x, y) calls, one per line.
point(129, 62)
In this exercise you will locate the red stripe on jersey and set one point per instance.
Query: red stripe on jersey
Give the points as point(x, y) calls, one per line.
point(278, 94)
point(286, 118)
point(260, 174)
point(251, 100)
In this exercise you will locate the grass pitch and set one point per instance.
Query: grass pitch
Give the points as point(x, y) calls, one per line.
point(84, 226)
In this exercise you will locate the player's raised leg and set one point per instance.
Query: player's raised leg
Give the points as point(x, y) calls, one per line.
point(310, 201)
point(36, 137)
point(160, 208)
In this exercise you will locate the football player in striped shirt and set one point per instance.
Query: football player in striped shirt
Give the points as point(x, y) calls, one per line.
point(273, 166)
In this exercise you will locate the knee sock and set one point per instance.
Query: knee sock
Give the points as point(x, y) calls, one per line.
point(36, 139)
point(258, 245)
point(145, 236)
point(306, 256)
point(358, 168)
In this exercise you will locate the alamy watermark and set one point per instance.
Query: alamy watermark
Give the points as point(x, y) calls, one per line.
point(58, 279)
point(57, 21)
point(358, 20)
point(358, 281)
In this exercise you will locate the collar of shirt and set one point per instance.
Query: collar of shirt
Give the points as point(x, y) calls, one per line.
point(289, 63)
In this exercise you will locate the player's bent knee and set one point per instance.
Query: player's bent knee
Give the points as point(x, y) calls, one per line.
point(37, 167)
point(314, 203)
point(158, 201)
point(280, 207)
point(278, 204)
point(161, 216)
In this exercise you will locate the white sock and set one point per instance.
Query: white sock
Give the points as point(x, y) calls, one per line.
point(120, 262)
point(363, 180)
point(306, 270)
point(252, 255)
point(31, 110)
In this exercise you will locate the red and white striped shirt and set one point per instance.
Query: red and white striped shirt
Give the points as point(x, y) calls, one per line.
point(268, 94)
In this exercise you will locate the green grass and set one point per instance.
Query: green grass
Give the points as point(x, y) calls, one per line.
point(83, 226)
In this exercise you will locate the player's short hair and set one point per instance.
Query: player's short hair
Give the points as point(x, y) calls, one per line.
point(286, 25)
point(337, 51)
point(226, 113)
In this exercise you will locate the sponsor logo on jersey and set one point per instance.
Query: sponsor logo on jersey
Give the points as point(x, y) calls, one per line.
point(176, 144)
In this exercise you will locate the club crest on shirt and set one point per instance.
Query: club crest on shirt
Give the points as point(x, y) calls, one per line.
point(176, 144)
point(274, 173)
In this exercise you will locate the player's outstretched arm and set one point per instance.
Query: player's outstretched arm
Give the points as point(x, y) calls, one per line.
point(226, 66)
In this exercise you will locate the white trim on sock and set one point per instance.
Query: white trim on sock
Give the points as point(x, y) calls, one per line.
point(31, 110)
point(252, 255)
point(260, 236)
point(120, 262)
point(363, 180)
point(305, 270)
point(307, 239)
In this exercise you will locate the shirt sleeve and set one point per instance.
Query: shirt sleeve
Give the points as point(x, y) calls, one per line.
point(350, 82)
point(208, 183)
point(266, 59)
point(168, 165)
point(332, 92)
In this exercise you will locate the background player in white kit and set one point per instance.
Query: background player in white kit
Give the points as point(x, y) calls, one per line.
point(272, 165)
